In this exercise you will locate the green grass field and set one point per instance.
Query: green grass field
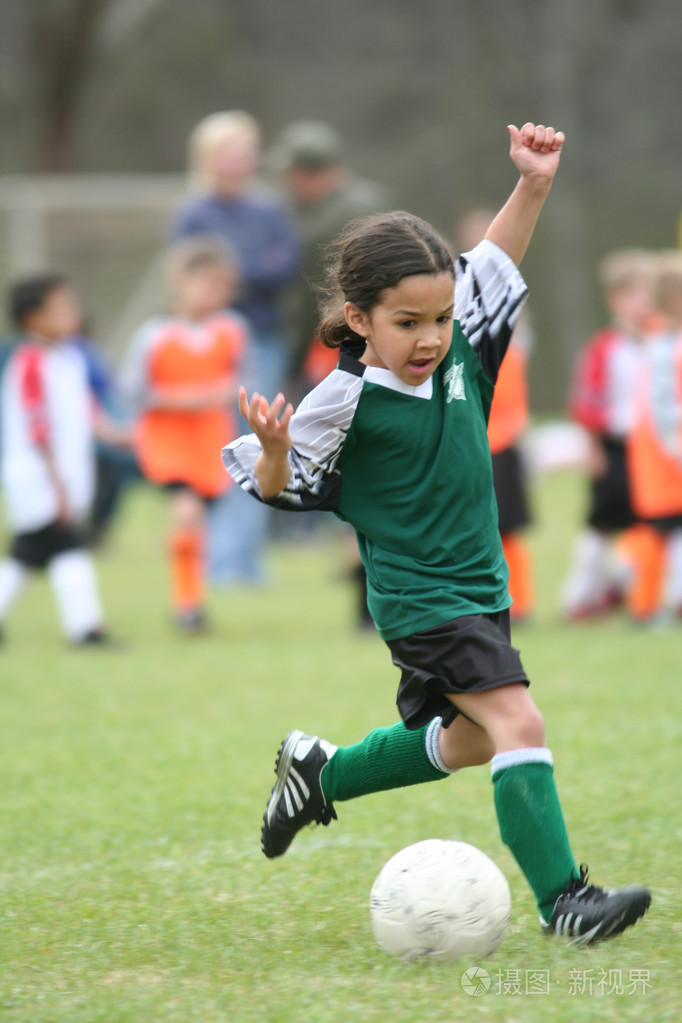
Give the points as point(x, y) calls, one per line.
point(132, 886)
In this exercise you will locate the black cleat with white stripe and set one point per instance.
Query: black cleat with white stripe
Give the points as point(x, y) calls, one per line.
point(584, 913)
point(297, 798)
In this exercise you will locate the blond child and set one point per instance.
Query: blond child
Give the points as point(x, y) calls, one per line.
point(180, 372)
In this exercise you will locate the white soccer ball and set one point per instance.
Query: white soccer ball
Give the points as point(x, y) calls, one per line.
point(440, 900)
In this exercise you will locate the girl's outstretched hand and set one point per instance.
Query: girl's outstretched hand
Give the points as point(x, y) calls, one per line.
point(535, 150)
point(270, 422)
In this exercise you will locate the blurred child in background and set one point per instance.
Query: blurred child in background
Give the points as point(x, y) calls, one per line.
point(602, 401)
point(180, 372)
point(655, 455)
point(506, 426)
point(48, 456)
point(507, 423)
point(115, 464)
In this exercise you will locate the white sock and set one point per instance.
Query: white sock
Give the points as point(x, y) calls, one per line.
point(674, 571)
point(73, 579)
point(586, 581)
point(433, 749)
point(620, 571)
point(13, 575)
point(514, 757)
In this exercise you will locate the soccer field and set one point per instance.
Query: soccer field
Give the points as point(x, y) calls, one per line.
point(132, 886)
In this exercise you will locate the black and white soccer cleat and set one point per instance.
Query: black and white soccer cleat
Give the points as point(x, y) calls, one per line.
point(584, 913)
point(297, 798)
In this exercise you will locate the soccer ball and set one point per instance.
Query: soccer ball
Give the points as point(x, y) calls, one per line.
point(440, 900)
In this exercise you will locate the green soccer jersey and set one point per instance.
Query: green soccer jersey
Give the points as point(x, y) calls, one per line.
point(409, 467)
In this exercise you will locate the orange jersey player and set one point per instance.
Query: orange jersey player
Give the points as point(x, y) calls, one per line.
point(506, 425)
point(189, 369)
point(655, 454)
point(180, 370)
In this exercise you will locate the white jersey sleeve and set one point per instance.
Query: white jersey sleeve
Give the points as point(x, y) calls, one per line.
point(318, 430)
point(489, 294)
point(133, 376)
point(663, 355)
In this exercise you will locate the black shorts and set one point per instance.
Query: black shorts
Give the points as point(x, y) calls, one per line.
point(509, 480)
point(468, 654)
point(610, 507)
point(665, 523)
point(37, 549)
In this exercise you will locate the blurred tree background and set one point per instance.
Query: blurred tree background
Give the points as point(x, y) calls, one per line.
point(421, 92)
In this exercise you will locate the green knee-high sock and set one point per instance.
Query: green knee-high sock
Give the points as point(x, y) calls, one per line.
point(532, 824)
point(387, 758)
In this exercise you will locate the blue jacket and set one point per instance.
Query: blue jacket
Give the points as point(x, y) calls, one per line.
point(259, 229)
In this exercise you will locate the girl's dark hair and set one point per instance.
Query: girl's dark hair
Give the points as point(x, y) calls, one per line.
point(370, 256)
point(30, 294)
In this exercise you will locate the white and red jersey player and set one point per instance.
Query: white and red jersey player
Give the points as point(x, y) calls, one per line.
point(603, 401)
point(606, 379)
point(46, 404)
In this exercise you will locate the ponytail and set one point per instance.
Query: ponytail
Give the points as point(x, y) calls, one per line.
point(333, 331)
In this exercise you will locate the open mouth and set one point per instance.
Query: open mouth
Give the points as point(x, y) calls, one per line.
point(420, 365)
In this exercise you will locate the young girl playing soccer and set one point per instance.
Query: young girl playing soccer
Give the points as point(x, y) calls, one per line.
point(394, 441)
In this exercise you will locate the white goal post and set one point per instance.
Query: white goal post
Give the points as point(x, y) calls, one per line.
point(105, 231)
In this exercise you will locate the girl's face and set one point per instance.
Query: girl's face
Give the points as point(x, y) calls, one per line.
point(410, 330)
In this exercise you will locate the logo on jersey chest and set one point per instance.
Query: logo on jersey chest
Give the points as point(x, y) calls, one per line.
point(454, 383)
